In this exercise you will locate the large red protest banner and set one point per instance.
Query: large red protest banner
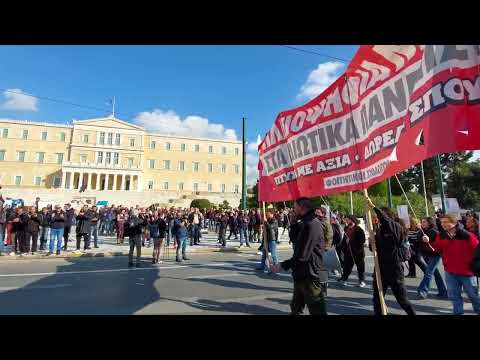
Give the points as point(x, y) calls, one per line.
point(395, 106)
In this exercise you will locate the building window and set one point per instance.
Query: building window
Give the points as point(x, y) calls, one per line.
point(21, 156)
point(195, 166)
point(209, 187)
point(117, 139)
point(83, 158)
point(151, 164)
point(44, 135)
point(166, 164)
point(236, 189)
point(102, 138)
point(237, 169)
point(108, 158)
point(57, 181)
point(59, 158)
point(18, 180)
point(62, 137)
point(195, 186)
point(165, 185)
point(38, 180)
point(224, 168)
point(150, 184)
point(181, 165)
point(40, 157)
point(210, 149)
point(152, 144)
point(223, 188)
point(85, 139)
point(180, 186)
point(168, 146)
point(210, 168)
point(197, 148)
point(99, 157)
point(130, 163)
point(236, 151)
point(183, 147)
point(25, 134)
point(2, 155)
point(115, 158)
point(5, 133)
point(132, 142)
point(110, 139)
point(224, 150)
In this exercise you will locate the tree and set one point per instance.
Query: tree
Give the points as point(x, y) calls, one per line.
point(463, 184)
point(201, 204)
point(252, 201)
point(224, 205)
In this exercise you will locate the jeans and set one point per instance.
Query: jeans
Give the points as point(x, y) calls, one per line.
point(135, 242)
point(2, 237)
point(44, 235)
point(181, 247)
point(58, 235)
point(432, 269)
point(94, 234)
point(243, 236)
point(196, 233)
point(102, 227)
point(455, 283)
point(416, 259)
point(273, 250)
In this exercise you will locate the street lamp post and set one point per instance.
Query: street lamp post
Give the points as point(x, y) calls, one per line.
point(244, 167)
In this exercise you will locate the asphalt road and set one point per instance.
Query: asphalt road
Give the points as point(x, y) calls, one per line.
point(211, 283)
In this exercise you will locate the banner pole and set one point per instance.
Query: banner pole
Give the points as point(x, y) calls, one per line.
point(268, 261)
point(424, 188)
point(389, 193)
point(378, 277)
point(351, 202)
point(440, 183)
point(406, 197)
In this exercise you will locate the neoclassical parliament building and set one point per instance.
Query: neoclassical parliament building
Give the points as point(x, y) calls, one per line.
point(115, 161)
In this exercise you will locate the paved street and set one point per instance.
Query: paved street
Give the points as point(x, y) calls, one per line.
point(210, 283)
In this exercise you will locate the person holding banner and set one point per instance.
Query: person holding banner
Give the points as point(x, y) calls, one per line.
point(271, 228)
point(353, 250)
point(389, 239)
point(310, 277)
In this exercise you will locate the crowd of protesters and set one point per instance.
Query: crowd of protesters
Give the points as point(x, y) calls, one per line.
point(425, 244)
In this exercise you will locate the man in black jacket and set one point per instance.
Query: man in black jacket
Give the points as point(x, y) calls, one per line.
point(135, 225)
point(83, 229)
point(309, 275)
point(353, 251)
point(33, 227)
point(69, 216)
point(44, 235)
point(388, 240)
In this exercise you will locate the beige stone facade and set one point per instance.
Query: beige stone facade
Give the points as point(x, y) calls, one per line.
point(116, 161)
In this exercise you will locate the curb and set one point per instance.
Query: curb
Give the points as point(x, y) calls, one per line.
point(104, 254)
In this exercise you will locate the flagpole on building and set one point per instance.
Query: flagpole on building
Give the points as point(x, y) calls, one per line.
point(440, 183)
point(424, 188)
point(244, 167)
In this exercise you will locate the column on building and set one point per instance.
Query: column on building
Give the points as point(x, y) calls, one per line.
point(89, 181)
point(122, 182)
point(97, 185)
point(139, 183)
point(62, 181)
point(115, 181)
point(72, 176)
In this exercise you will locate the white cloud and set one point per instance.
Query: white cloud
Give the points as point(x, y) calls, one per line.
point(16, 100)
point(170, 123)
point(320, 79)
point(252, 161)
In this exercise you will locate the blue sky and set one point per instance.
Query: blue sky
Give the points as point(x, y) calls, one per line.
point(172, 89)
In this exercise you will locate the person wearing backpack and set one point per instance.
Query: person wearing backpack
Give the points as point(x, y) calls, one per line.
point(458, 248)
point(390, 241)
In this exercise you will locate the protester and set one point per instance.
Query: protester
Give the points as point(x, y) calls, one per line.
point(389, 239)
point(94, 216)
point(242, 223)
point(432, 258)
point(33, 228)
point(121, 219)
point(338, 241)
point(232, 225)
point(69, 220)
point(309, 275)
point(271, 229)
point(321, 213)
point(222, 229)
point(134, 237)
point(57, 224)
point(457, 247)
point(353, 251)
point(181, 234)
point(83, 229)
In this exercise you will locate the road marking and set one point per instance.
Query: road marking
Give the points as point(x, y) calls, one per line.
point(37, 287)
point(212, 276)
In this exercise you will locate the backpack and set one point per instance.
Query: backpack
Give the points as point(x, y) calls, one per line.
point(475, 264)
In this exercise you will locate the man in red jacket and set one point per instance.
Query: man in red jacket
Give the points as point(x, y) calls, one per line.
point(457, 247)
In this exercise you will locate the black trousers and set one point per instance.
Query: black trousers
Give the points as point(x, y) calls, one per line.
point(66, 233)
point(395, 280)
point(31, 238)
point(311, 293)
point(357, 259)
point(86, 240)
point(233, 231)
point(416, 259)
point(19, 241)
point(221, 236)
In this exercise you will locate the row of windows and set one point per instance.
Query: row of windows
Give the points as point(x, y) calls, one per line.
point(43, 135)
point(181, 186)
point(195, 166)
point(37, 181)
point(39, 158)
point(196, 147)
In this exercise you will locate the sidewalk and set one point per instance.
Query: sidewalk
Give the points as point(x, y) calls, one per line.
point(108, 247)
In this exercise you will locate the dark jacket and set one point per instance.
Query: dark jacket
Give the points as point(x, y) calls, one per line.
point(337, 235)
point(232, 223)
point(135, 225)
point(83, 224)
point(307, 261)
point(388, 240)
point(424, 248)
point(272, 230)
point(69, 216)
point(57, 220)
point(33, 225)
point(180, 229)
point(94, 216)
point(162, 228)
point(223, 222)
point(44, 219)
point(20, 226)
point(356, 241)
point(293, 231)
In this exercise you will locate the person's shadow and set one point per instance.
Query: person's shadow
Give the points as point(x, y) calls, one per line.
point(80, 286)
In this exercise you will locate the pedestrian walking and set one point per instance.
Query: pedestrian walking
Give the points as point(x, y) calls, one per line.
point(57, 224)
point(69, 219)
point(94, 217)
point(134, 237)
point(353, 251)
point(271, 229)
point(414, 235)
point(83, 229)
point(181, 235)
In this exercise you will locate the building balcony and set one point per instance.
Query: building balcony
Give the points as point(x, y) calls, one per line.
point(95, 166)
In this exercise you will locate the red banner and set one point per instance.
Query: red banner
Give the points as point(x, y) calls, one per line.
point(395, 106)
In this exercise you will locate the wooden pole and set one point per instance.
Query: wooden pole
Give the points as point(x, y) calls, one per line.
point(378, 277)
point(424, 188)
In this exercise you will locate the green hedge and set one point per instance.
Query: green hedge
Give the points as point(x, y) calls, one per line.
point(201, 204)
